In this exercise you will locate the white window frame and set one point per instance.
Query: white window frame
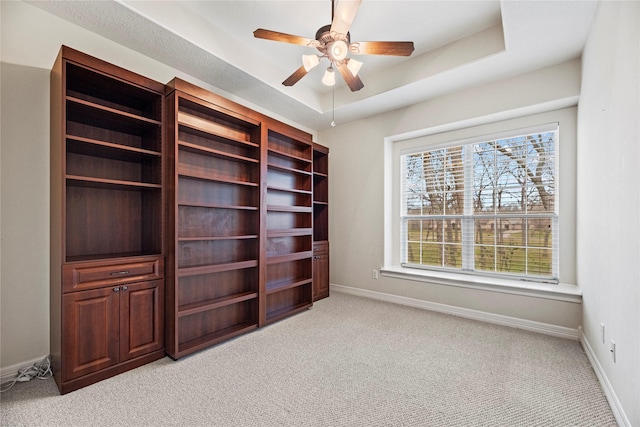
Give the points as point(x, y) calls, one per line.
point(467, 218)
point(435, 136)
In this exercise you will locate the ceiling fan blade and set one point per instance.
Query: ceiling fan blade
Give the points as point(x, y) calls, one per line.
point(382, 48)
point(343, 14)
point(352, 81)
point(297, 75)
point(261, 33)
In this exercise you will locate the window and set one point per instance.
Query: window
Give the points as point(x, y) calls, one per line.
point(487, 206)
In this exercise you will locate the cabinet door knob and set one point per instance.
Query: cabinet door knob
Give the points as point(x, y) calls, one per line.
point(116, 289)
point(124, 288)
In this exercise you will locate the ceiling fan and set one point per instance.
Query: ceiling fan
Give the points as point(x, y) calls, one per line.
point(334, 43)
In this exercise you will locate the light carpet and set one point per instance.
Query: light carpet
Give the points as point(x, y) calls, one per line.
point(348, 361)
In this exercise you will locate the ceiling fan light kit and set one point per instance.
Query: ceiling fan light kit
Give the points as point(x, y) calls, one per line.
point(338, 50)
point(329, 77)
point(334, 43)
point(310, 61)
point(354, 66)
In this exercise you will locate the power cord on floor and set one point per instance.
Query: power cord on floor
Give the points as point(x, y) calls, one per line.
point(41, 371)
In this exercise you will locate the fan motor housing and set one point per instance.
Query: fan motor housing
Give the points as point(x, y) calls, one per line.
point(323, 35)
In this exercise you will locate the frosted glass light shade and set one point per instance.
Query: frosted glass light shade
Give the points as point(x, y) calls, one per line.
point(329, 78)
point(310, 61)
point(354, 66)
point(339, 50)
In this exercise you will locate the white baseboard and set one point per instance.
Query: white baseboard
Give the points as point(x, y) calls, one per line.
point(612, 398)
point(529, 325)
point(8, 373)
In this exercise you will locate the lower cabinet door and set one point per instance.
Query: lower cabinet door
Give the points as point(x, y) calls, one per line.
point(141, 318)
point(90, 331)
point(320, 276)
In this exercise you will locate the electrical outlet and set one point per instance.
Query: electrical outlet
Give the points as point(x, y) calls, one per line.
point(602, 332)
point(374, 274)
point(613, 350)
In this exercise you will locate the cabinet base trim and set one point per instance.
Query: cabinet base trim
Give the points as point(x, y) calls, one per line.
point(69, 386)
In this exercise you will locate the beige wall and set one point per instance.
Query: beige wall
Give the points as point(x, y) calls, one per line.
point(30, 41)
point(357, 182)
point(24, 265)
point(609, 200)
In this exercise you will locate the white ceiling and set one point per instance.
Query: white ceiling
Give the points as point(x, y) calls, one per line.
point(458, 44)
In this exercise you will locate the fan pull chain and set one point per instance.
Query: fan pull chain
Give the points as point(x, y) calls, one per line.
point(333, 106)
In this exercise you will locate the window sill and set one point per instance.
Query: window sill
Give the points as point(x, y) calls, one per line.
point(560, 292)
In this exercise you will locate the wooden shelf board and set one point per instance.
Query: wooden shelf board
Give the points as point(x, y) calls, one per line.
point(218, 206)
point(203, 175)
point(286, 285)
point(286, 312)
point(208, 101)
point(238, 237)
point(288, 155)
point(290, 190)
point(114, 111)
point(97, 257)
point(200, 125)
point(290, 232)
point(218, 153)
point(318, 202)
point(296, 256)
point(93, 144)
point(320, 174)
point(214, 338)
point(86, 181)
point(298, 209)
point(287, 169)
point(212, 304)
point(205, 269)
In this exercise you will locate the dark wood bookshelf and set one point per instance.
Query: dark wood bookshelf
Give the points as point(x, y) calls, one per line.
point(187, 218)
point(106, 220)
point(289, 225)
point(213, 244)
point(320, 222)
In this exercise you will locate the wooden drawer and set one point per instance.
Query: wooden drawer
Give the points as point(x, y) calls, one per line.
point(91, 275)
point(320, 247)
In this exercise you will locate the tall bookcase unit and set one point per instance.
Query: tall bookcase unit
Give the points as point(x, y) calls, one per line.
point(107, 263)
point(320, 222)
point(240, 219)
point(179, 219)
point(213, 182)
point(289, 224)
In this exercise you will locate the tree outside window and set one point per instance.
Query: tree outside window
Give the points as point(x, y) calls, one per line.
point(484, 207)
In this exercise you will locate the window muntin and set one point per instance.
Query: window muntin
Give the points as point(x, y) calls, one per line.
point(485, 207)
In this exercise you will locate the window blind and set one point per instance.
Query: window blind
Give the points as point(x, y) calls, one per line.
point(485, 206)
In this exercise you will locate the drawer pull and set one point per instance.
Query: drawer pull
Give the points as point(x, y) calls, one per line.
point(120, 273)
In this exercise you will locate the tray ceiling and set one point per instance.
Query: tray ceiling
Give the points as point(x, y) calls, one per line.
point(458, 44)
